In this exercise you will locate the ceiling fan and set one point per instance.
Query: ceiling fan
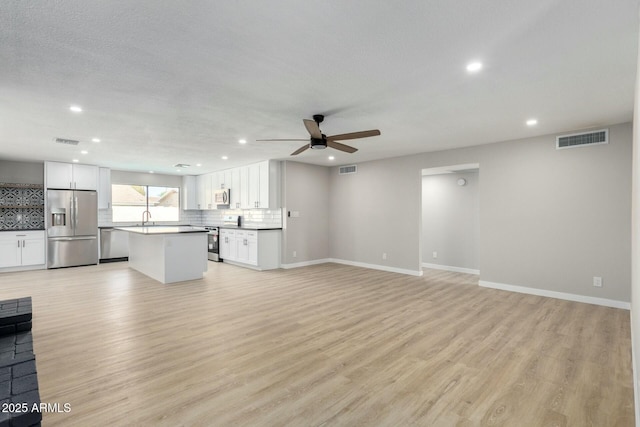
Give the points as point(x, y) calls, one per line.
point(319, 140)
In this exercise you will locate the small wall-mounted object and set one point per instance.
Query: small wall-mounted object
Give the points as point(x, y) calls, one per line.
point(462, 182)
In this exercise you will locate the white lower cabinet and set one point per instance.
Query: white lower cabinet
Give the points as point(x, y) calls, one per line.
point(242, 247)
point(258, 249)
point(22, 248)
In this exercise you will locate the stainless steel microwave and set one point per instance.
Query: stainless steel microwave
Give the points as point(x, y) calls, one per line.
point(222, 197)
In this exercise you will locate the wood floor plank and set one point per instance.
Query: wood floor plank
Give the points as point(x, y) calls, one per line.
point(321, 345)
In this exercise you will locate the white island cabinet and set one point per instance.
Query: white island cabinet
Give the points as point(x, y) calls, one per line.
point(168, 254)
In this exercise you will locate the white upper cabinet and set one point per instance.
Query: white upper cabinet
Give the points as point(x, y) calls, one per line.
point(254, 185)
point(251, 187)
point(244, 187)
point(200, 191)
point(104, 188)
point(71, 176)
point(263, 185)
point(59, 175)
point(235, 188)
point(189, 193)
point(209, 187)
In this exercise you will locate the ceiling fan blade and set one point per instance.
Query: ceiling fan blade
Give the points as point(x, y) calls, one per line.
point(312, 128)
point(282, 139)
point(341, 147)
point(354, 135)
point(300, 150)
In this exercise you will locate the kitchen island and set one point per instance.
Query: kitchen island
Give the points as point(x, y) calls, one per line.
point(168, 254)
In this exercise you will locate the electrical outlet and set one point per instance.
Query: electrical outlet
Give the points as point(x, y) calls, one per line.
point(295, 214)
point(435, 254)
point(295, 254)
point(597, 281)
point(384, 255)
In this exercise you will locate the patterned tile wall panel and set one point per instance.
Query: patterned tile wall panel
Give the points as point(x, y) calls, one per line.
point(21, 207)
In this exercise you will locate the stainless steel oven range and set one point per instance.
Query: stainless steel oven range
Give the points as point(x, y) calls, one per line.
point(213, 249)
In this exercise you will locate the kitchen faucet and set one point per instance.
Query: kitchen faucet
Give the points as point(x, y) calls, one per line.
point(148, 216)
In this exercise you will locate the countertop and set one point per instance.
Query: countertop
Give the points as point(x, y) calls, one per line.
point(231, 227)
point(158, 229)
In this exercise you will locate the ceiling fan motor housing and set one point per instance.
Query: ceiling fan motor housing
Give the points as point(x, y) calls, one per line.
point(318, 143)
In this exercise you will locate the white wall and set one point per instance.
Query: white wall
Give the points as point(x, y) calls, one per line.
point(450, 220)
point(549, 219)
point(21, 172)
point(140, 178)
point(306, 191)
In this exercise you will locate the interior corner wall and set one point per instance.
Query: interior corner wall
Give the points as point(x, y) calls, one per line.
point(549, 219)
point(450, 220)
point(305, 191)
point(635, 250)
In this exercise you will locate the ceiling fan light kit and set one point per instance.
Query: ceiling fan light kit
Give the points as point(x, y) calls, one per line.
point(320, 141)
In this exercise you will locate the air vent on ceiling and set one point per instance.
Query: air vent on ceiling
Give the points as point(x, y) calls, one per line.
point(67, 141)
point(586, 138)
point(344, 170)
point(181, 165)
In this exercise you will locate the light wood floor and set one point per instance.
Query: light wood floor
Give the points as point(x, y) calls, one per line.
point(322, 345)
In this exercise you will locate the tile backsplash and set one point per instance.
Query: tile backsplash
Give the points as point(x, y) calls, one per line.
point(21, 207)
point(261, 218)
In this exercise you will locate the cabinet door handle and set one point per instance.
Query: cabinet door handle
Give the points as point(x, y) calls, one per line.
point(24, 243)
point(18, 243)
point(70, 184)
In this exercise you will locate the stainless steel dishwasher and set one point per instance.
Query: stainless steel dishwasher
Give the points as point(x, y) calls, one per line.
point(114, 245)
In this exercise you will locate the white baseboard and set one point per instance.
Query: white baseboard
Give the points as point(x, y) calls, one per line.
point(23, 268)
point(560, 295)
point(354, 264)
point(305, 263)
point(377, 267)
point(451, 268)
point(635, 374)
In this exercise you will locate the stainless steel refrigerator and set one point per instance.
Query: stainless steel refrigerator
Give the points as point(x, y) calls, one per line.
point(72, 228)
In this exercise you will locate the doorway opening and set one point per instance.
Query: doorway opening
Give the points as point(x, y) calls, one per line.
point(450, 237)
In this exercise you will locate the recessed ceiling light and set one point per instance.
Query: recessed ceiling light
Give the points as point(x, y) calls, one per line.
point(474, 67)
point(84, 152)
point(178, 170)
point(242, 141)
point(224, 158)
point(76, 109)
point(75, 160)
point(532, 122)
point(151, 172)
point(95, 140)
point(199, 164)
point(331, 158)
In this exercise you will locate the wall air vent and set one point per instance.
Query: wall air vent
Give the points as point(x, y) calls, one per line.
point(67, 141)
point(585, 138)
point(181, 165)
point(345, 170)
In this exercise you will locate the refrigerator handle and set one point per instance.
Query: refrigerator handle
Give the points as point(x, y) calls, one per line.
point(75, 213)
point(72, 214)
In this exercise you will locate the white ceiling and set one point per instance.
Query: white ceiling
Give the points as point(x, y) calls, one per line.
point(166, 82)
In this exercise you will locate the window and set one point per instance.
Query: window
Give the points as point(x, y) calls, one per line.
point(130, 201)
